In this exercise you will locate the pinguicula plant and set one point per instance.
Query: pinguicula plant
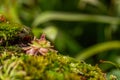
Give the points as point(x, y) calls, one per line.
point(39, 46)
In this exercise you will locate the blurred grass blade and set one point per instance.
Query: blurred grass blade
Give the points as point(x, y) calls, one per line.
point(112, 63)
point(48, 16)
point(97, 49)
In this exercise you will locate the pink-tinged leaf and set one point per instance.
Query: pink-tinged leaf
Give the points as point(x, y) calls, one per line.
point(42, 37)
point(43, 51)
point(2, 18)
point(30, 52)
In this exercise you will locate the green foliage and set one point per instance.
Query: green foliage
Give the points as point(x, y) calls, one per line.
point(79, 24)
point(16, 63)
point(52, 66)
point(115, 73)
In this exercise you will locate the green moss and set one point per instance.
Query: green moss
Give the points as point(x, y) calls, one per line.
point(13, 33)
point(50, 67)
point(15, 64)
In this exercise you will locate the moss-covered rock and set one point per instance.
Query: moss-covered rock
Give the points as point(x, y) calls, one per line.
point(13, 33)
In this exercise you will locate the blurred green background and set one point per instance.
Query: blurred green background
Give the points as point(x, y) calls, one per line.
point(83, 29)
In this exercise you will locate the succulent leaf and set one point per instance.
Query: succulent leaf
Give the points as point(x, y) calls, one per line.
point(39, 46)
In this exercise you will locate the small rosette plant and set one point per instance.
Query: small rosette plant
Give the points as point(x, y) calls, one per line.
point(39, 46)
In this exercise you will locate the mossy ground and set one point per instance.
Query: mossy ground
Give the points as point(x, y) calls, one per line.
point(20, 66)
point(15, 64)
